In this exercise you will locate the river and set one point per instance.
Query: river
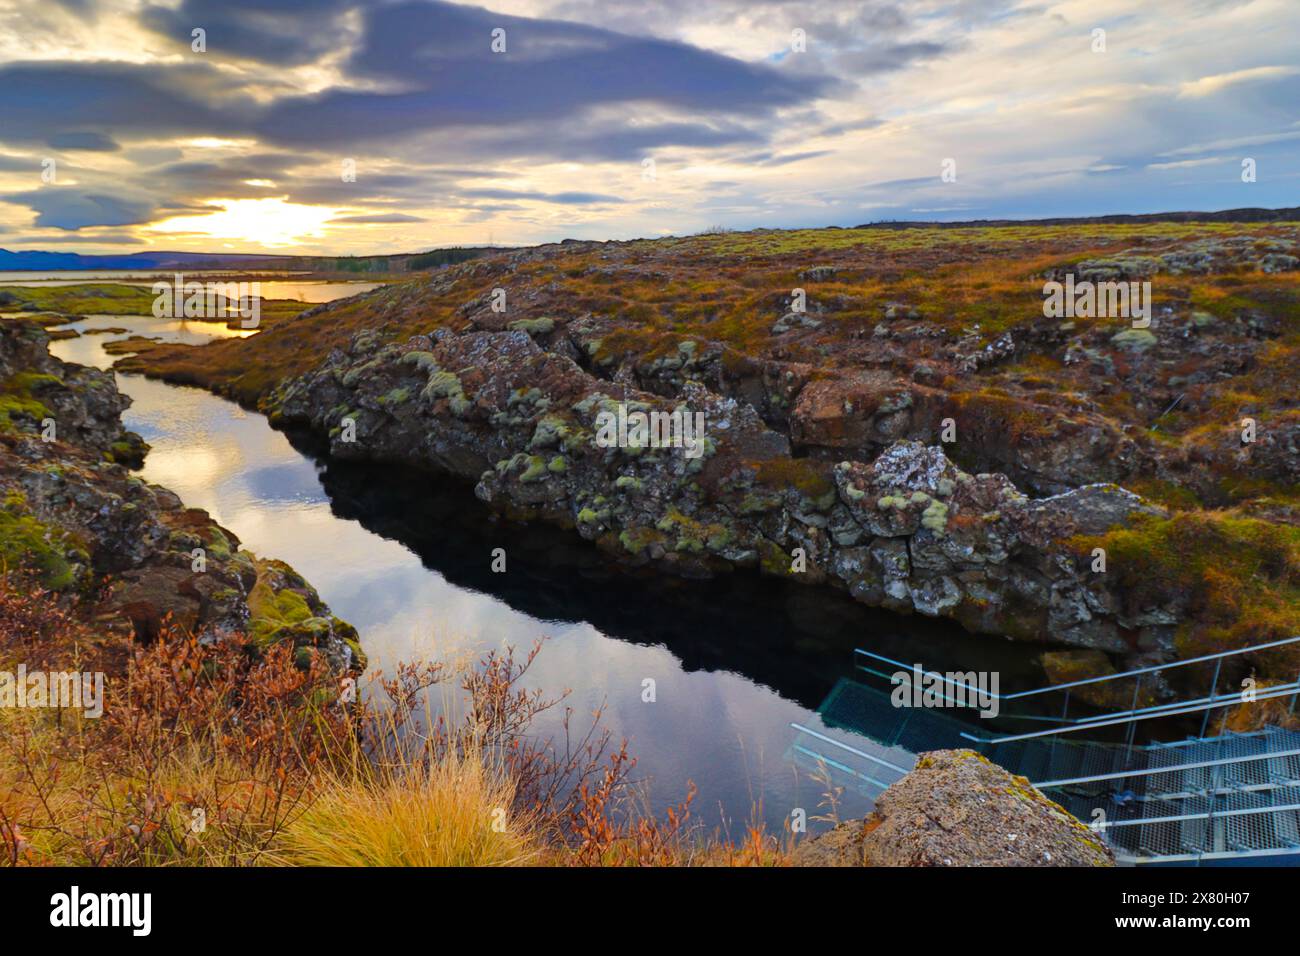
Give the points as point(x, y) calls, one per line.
point(405, 557)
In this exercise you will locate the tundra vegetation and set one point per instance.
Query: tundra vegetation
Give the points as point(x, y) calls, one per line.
point(209, 755)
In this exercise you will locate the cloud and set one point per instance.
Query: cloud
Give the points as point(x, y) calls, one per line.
point(562, 198)
point(887, 58)
point(546, 139)
point(89, 141)
point(1209, 85)
point(67, 207)
point(1187, 163)
point(438, 58)
point(76, 238)
point(283, 32)
point(40, 101)
point(375, 219)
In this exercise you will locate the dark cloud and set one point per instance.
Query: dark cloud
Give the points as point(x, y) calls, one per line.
point(19, 164)
point(422, 82)
point(283, 32)
point(69, 208)
point(43, 100)
point(440, 58)
point(89, 141)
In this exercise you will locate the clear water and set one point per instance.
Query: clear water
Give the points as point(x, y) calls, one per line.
point(405, 557)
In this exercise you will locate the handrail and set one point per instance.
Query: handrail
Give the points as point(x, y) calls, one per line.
point(1173, 768)
point(822, 759)
point(844, 746)
point(1091, 680)
point(1247, 811)
point(1131, 717)
point(1157, 710)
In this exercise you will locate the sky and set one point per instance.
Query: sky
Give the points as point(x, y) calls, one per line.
point(346, 127)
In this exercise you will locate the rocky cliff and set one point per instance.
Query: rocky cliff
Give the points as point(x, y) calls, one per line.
point(126, 550)
point(908, 531)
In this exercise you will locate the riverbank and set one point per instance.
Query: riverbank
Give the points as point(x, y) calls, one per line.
point(129, 552)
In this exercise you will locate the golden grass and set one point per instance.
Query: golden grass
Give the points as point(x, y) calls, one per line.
point(452, 812)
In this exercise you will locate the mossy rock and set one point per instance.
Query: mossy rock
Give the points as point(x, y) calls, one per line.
point(1135, 340)
point(539, 326)
point(275, 615)
point(27, 542)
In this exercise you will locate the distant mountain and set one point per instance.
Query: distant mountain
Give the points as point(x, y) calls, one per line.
point(42, 261)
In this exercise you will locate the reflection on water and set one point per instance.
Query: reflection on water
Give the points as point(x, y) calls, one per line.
point(88, 349)
point(304, 290)
point(405, 557)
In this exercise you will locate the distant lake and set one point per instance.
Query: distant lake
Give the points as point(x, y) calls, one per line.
point(303, 290)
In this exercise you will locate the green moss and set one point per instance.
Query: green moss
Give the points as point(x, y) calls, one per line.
point(354, 375)
point(637, 540)
point(27, 542)
point(935, 517)
point(773, 560)
point(273, 615)
point(539, 326)
point(551, 430)
point(32, 382)
point(1137, 340)
point(19, 407)
point(536, 470)
point(17, 401)
point(1237, 578)
point(424, 361)
point(443, 385)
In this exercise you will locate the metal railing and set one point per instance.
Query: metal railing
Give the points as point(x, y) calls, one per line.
point(1205, 704)
point(879, 761)
point(1132, 716)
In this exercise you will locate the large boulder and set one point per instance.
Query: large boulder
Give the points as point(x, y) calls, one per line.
point(958, 809)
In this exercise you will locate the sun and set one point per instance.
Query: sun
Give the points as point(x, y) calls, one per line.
point(268, 222)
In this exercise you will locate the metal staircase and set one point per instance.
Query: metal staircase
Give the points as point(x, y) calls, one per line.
point(1231, 797)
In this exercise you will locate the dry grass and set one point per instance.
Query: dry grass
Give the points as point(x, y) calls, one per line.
point(208, 756)
point(454, 812)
